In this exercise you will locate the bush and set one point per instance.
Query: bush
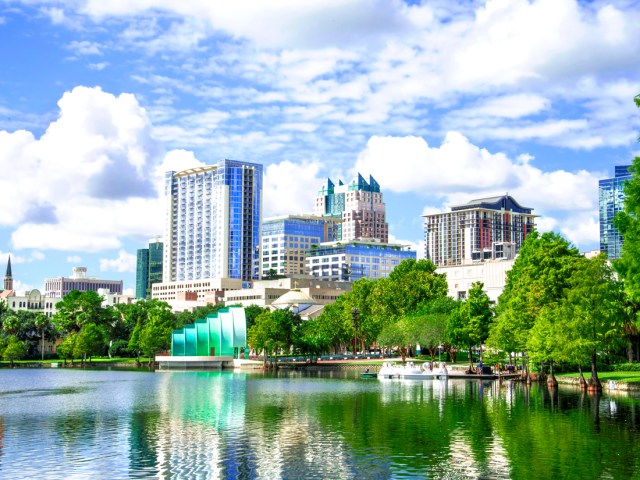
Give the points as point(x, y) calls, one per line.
point(626, 367)
point(120, 348)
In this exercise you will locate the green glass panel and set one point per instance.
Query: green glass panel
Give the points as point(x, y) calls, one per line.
point(190, 340)
point(202, 337)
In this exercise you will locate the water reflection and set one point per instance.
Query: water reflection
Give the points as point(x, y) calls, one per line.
point(79, 424)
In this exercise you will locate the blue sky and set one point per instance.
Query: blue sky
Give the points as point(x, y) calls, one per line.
point(440, 101)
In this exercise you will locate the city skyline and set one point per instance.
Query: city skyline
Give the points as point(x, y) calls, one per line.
point(441, 102)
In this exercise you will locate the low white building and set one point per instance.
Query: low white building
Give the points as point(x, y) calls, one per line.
point(493, 274)
point(264, 292)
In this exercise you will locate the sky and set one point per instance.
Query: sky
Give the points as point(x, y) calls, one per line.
point(441, 102)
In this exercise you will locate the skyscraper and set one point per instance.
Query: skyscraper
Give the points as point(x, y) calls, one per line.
point(148, 268)
point(359, 205)
point(611, 201)
point(484, 229)
point(213, 222)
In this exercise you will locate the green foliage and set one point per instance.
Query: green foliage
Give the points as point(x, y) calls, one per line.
point(67, 346)
point(89, 342)
point(120, 348)
point(79, 308)
point(155, 335)
point(625, 367)
point(628, 223)
point(15, 350)
point(538, 278)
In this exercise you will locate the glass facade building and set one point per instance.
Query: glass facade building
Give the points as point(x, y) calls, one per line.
point(148, 268)
point(213, 222)
point(611, 201)
point(355, 260)
point(285, 241)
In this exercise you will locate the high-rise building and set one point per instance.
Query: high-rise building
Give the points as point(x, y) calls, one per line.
point(611, 201)
point(285, 241)
point(360, 207)
point(60, 286)
point(355, 260)
point(213, 222)
point(148, 268)
point(483, 229)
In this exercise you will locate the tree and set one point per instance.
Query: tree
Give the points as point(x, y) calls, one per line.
point(15, 350)
point(156, 334)
point(628, 223)
point(409, 284)
point(398, 335)
point(334, 323)
point(11, 324)
point(78, 308)
point(66, 347)
point(474, 317)
point(596, 312)
point(538, 278)
point(42, 323)
point(89, 342)
point(260, 335)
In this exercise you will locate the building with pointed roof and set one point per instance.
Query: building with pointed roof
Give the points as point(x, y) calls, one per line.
point(8, 278)
point(360, 207)
point(492, 228)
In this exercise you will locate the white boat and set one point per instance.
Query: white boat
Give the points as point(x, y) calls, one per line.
point(410, 372)
point(388, 370)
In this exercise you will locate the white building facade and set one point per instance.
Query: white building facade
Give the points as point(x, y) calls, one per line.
point(213, 222)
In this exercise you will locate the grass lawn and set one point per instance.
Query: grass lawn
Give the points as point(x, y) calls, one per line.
point(629, 377)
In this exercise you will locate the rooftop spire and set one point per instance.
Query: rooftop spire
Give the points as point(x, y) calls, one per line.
point(8, 280)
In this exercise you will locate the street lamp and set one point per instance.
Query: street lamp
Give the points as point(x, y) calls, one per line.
point(439, 352)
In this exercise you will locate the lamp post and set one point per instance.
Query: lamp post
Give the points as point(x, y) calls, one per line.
point(439, 352)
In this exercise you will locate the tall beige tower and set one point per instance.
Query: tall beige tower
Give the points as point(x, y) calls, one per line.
point(360, 207)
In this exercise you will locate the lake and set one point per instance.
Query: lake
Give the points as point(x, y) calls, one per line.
point(72, 423)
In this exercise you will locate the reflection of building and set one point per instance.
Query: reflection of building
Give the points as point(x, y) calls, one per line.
point(611, 201)
point(148, 268)
point(359, 205)
point(355, 260)
point(61, 286)
point(285, 240)
point(484, 229)
point(213, 222)
point(493, 274)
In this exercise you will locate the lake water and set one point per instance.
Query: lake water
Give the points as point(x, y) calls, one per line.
point(70, 423)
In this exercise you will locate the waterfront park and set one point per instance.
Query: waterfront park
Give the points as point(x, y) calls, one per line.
point(138, 391)
point(291, 403)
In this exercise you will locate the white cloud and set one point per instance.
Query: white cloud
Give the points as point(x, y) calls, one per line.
point(74, 259)
point(20, 287)
point(125, 262)
point(85, 47)
point(91, 176)
point(286, 188)
point(459, 171)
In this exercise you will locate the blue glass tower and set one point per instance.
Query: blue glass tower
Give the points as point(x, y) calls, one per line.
point(611, 200)
point(285, 241)
point(213, 222)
